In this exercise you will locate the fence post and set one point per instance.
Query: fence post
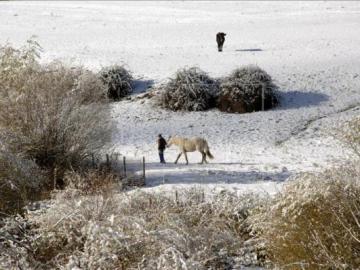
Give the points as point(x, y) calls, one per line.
point(124, 163)
point(93, 160)
point(176, 197)
point(55, 176)
point(143, 160)
point(263, 96)
point(108, 161)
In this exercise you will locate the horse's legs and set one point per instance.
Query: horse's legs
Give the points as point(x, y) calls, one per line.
point(203, 158)
point(178, 157)
point(187, 162)
point(204, 155)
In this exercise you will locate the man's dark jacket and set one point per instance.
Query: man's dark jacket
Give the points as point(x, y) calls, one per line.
point(161, 144)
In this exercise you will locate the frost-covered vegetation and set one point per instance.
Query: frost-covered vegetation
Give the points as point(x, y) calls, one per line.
point(193, 90)
point(242, 91)
point(21, 180)
point(118, 81)
point(131, 231)
point(190, 90)
point(42, 112)
point(53, 115)
point(91, 181)
point(314, 223)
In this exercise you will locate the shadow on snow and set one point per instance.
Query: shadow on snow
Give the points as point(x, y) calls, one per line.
point(158, 174)
point(140, 86)
point(299, 99)
point(249, 50)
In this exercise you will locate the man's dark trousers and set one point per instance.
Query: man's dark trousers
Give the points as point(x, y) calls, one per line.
point(161, 155)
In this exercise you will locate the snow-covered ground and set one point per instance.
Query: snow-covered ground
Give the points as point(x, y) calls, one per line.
point(311, 49)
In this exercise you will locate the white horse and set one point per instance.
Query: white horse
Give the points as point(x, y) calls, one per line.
point(191, 145)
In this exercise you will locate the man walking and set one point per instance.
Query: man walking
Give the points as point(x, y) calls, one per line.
point(161, 147)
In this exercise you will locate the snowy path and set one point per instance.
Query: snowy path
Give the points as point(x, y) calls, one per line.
point(311, 49)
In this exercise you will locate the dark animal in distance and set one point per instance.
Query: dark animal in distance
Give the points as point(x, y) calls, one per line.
point(220, 39)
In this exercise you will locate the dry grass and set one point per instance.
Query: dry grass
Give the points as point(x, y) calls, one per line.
point(21, 181)
point(137, 230)
point(315, 222)
point(92, 181)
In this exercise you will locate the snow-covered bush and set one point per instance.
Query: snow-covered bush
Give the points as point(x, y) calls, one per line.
point(52, 114)
point(118, 81)
point(88, 86)
point(315, 222)
point(241, 92)
point(139, 230)
point(190, 90)
point(20, 181)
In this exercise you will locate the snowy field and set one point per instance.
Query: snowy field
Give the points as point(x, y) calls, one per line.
point(311, 49)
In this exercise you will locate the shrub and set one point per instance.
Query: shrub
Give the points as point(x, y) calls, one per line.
point(242, 91)
point(20, 182)
point(118, 81)
point(315, 222)
point(138, 230)
point(52, 114)
point(91, 181)
point(190, 90)
point(89, 87)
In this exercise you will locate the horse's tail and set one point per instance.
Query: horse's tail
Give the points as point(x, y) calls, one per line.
point(209, 155)
point(207, 152)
